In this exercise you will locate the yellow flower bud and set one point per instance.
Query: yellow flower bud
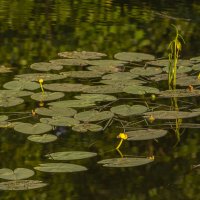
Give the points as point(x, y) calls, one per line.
point(123, 136)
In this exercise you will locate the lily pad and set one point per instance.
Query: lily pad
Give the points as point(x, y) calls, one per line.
point(3, 118)
point(104, 69)
point(136, 89)
point(45, 66)
point(22, 185)
point(82, 54)
point(163, 114)
point(146, 134)
point(85, 127)
point(55, 111)
point(93, 115)
point(17, 174)
point(70, 62)
point(148, 71)
point(127, 110)
point(120, 76)
point(60, 121)
point(124, 162)
point(47, 96)
point(180, 69)
point(122, 83)
point(96, 97)
point(60, 167)
point(42, 138)
point(189, 80)
point(196, 67)
point(70, 155)
point(82, 74)
point(195, 59)
point(14, 93)
point(10, 101)
point(65, 87)
point(4, 69)
point(28, 128)
point(133, 56)
point(113, 63)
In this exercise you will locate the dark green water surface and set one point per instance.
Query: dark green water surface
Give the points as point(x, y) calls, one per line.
point(35, 31)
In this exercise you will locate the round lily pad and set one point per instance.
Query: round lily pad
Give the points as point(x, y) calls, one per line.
point(120, 76)
point(22, 185)
point(133, 56)
point(45, 66)
point(70, 155)
point(163, 114)
point(47, 96)
point(104, 69)
point(60, 167)
point(96, 97)
point(82, 54)
point(148, 71)
point(113, 63)
point(28, 128)
point(14, 93)
point(82, 74)
point(56, 111)
point(146, 134)
point(10, 101)
point(93, 115)
point(3, 118)
point(124, 162)
point(70, 62)
point(85, 127)
point(42, 138)
point(127, 110)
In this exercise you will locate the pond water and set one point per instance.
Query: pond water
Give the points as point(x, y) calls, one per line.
point(34, 31)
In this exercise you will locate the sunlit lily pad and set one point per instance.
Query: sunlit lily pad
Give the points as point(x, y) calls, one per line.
point(93, 115)
point(42, 138)
point(45, 66)
point(38, 76)
point(65, 87)
point(4, 69)
point(127, 110)
point(136, 89)
point(55, 111)
point(85, 127)
point(28, 128)
point(104, 69)
point(17, 174)
point(148, 71)
point(180, 69)
point(82, 74)
point(146, 134)
point(113, 63)
point(10, 101)
point(70, 155)
point(124, 162)
point(96, 97)
point(133, 56)
point(60, 121)
point(120, 76)
point(47, 96)
point(14, 93)
point(81, 54)
point(163, 114)
point(189, 80)
point(3, 118)
point(60, 167)
point(22, 185)
point(21, 85)
point(72, 104)
point(70, 62)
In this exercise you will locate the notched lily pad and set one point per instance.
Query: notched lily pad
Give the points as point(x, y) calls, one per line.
point(96, 97)
point(113, 63)
point(180, 69)
point(85, 127)
point(70, 62)
point(14, 93)
point(120, 76)
point(104, 69)
point(45, 66)
point(146, 134)
point(70, 155)
point(46, 138)
point(189, 80)
point(124, 162)
point(148, 71)
point(122, 83)
point(10, 101)
point(60, 167)
point(82, 74)
point(47, 96)
point(136, 89)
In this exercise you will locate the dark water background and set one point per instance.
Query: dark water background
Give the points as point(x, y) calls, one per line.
point(34, 31)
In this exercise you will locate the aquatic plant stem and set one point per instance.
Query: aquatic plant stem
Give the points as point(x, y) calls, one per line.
point(120, 143)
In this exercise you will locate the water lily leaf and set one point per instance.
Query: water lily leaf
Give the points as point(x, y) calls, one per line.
point(82, 128)
point(104, 69)
point(148, 71)
point(10, 101)
point(65, 87)
point(70, 62)
point(93, 115)
point(146, 134)
point(72, 104)
point(196, 67)
point(189, 80)
point(21, 185)
point(60, 121)
point(163, 114)
point(127, 110)
point(124, 162)
point(38, 76)
point(81, 54)
point(60, 167)
point(4, 69)
point(3, 118)
point(180, 69)
point(108, 63)
point(21, 85)
point(42, 138)
point(133, 56)
point(28, 128)
point(136, 89)
point(47, 96)
point(17, 174)
point(120, 76)
point(195, 59)
point(55, 111)
point(45, 66)
point(122, 82)
point(161, 77)
point(82, 74)
point(96, 97)
point(14, 93)
point(70, 155)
